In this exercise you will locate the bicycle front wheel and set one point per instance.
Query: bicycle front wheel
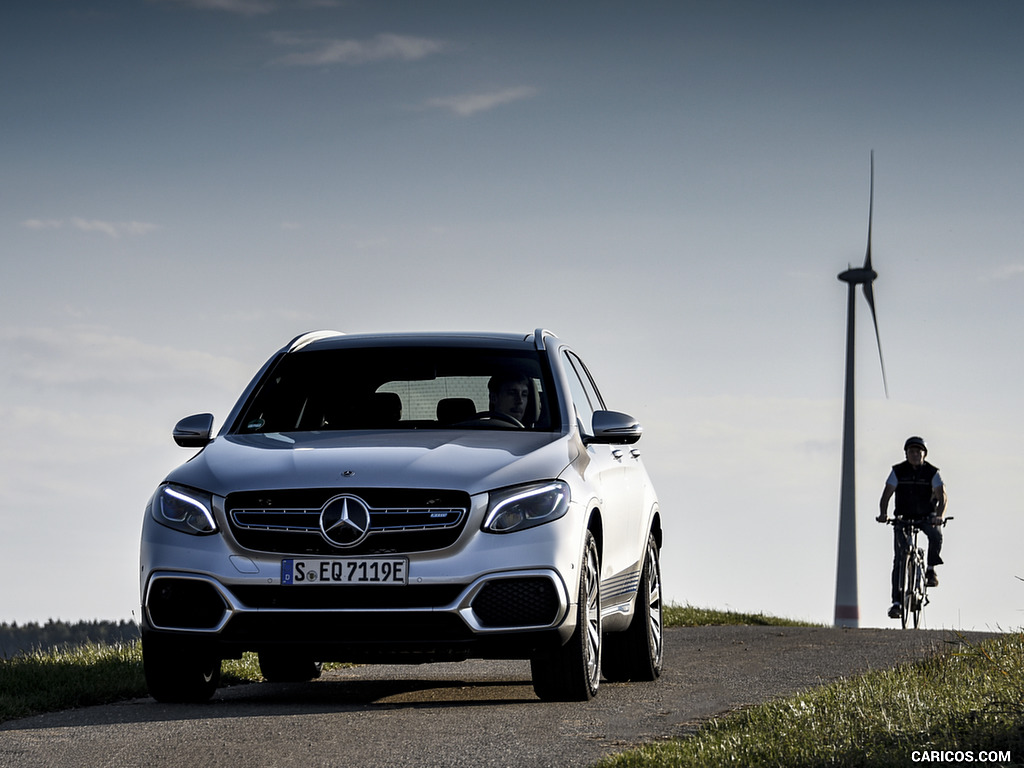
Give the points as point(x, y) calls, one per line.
point(917, 602)
point(907, 569)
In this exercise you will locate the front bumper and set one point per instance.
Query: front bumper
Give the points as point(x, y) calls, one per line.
point(487, 596)
point(509, 614)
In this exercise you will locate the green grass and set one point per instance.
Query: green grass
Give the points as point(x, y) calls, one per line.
point(87, 675)
point(689, 616)
point(42, 682)
point(958, 705)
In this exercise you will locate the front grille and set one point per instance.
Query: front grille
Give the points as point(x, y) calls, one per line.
point(529, 602)
point(401, 521)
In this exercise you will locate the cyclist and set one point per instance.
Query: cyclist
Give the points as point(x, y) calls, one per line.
point(920, 496)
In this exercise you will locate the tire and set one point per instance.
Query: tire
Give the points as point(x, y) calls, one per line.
point(638, 653)
point(907, 586)
point(919, 588)
point(176, 673)
point(572, 672)
point(278, 667)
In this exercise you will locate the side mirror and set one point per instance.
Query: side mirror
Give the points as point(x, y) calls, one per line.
point(194, 431)
point(615, 428)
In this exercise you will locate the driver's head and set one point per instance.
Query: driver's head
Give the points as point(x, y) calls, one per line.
point(509, 393)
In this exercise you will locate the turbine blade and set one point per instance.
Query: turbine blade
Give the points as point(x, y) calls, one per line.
point(869, 294)
point(871, 209)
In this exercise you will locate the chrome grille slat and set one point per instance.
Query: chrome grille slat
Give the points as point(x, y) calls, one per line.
point(246, 518)
point(429, 512)
point(312, 514)
point(401, 520)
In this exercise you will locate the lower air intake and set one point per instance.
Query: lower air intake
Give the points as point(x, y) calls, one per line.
point(529, 602)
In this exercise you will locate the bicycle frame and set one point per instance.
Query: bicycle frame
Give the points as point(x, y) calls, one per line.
point(913, 584)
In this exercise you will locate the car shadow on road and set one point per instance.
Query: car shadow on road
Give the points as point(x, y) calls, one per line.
point(285, 699)
point(394, 693)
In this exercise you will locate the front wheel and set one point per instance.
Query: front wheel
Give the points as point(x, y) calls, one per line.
point(918, 589)
point(573, 671)
point(912, 582)
point(907, 587)
point(178, 674)
point(637, 653)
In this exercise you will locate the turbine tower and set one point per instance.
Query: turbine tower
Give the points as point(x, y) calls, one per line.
point(847, 608)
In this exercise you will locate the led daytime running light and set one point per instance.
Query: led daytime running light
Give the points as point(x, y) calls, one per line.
point(528, 507)
point(185, 513)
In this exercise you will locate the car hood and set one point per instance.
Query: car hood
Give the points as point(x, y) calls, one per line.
point(469, 461)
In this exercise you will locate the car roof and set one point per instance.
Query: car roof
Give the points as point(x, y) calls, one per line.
point(325, 339)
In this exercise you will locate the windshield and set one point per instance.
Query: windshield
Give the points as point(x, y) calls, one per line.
point(403, 388)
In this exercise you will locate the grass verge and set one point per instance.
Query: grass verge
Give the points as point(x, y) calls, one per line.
point(690, 616)
point(47, 681)
point(960, 707)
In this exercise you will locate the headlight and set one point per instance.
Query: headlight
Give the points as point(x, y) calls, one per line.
point(514, 509)
point(184, 509)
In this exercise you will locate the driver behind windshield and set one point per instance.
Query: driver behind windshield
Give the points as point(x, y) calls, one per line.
point(509, 394)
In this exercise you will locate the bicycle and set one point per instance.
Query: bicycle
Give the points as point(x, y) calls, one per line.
point(913, 583)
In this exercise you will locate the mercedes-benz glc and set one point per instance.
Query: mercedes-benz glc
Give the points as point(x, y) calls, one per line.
point(407, 498)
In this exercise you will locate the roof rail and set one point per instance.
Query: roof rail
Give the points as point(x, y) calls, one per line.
point(538, 338)
point(308, 338)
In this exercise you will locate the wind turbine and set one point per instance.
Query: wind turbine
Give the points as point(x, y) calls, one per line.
point(847, 608)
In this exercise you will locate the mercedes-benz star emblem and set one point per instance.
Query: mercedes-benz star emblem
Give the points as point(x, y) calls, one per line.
point(345, 521)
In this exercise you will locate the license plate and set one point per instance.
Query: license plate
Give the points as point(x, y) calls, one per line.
point(352, 570)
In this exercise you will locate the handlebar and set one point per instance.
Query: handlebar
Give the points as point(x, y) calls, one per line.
point(915, 523)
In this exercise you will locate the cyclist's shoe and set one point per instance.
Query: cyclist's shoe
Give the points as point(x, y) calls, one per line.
point(930, 578)
point(895, 611)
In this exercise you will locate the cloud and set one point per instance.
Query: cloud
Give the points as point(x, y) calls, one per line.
point(84, 359)
point(255, 7)
point(241, 7)
point(110, 228)
point(471, 103)
point(1005, 272)
point(43, 224)
point(113, 229)
point(384, 47)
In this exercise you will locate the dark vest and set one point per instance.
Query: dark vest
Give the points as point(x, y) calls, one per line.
point(914, 489)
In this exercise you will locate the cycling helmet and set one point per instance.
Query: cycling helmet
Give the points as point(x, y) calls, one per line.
point(918, 441)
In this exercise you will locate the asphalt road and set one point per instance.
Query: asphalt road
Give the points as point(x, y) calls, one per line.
point(471, 713)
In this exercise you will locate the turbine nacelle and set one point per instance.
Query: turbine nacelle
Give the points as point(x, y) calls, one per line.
point(858, 275)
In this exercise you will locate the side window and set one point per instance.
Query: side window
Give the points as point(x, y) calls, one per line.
point(588, 384)
point(584, 393)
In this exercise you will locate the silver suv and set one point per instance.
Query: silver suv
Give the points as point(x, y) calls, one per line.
point(407, 498)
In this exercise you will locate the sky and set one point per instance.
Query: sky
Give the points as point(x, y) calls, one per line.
point(671, 187)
